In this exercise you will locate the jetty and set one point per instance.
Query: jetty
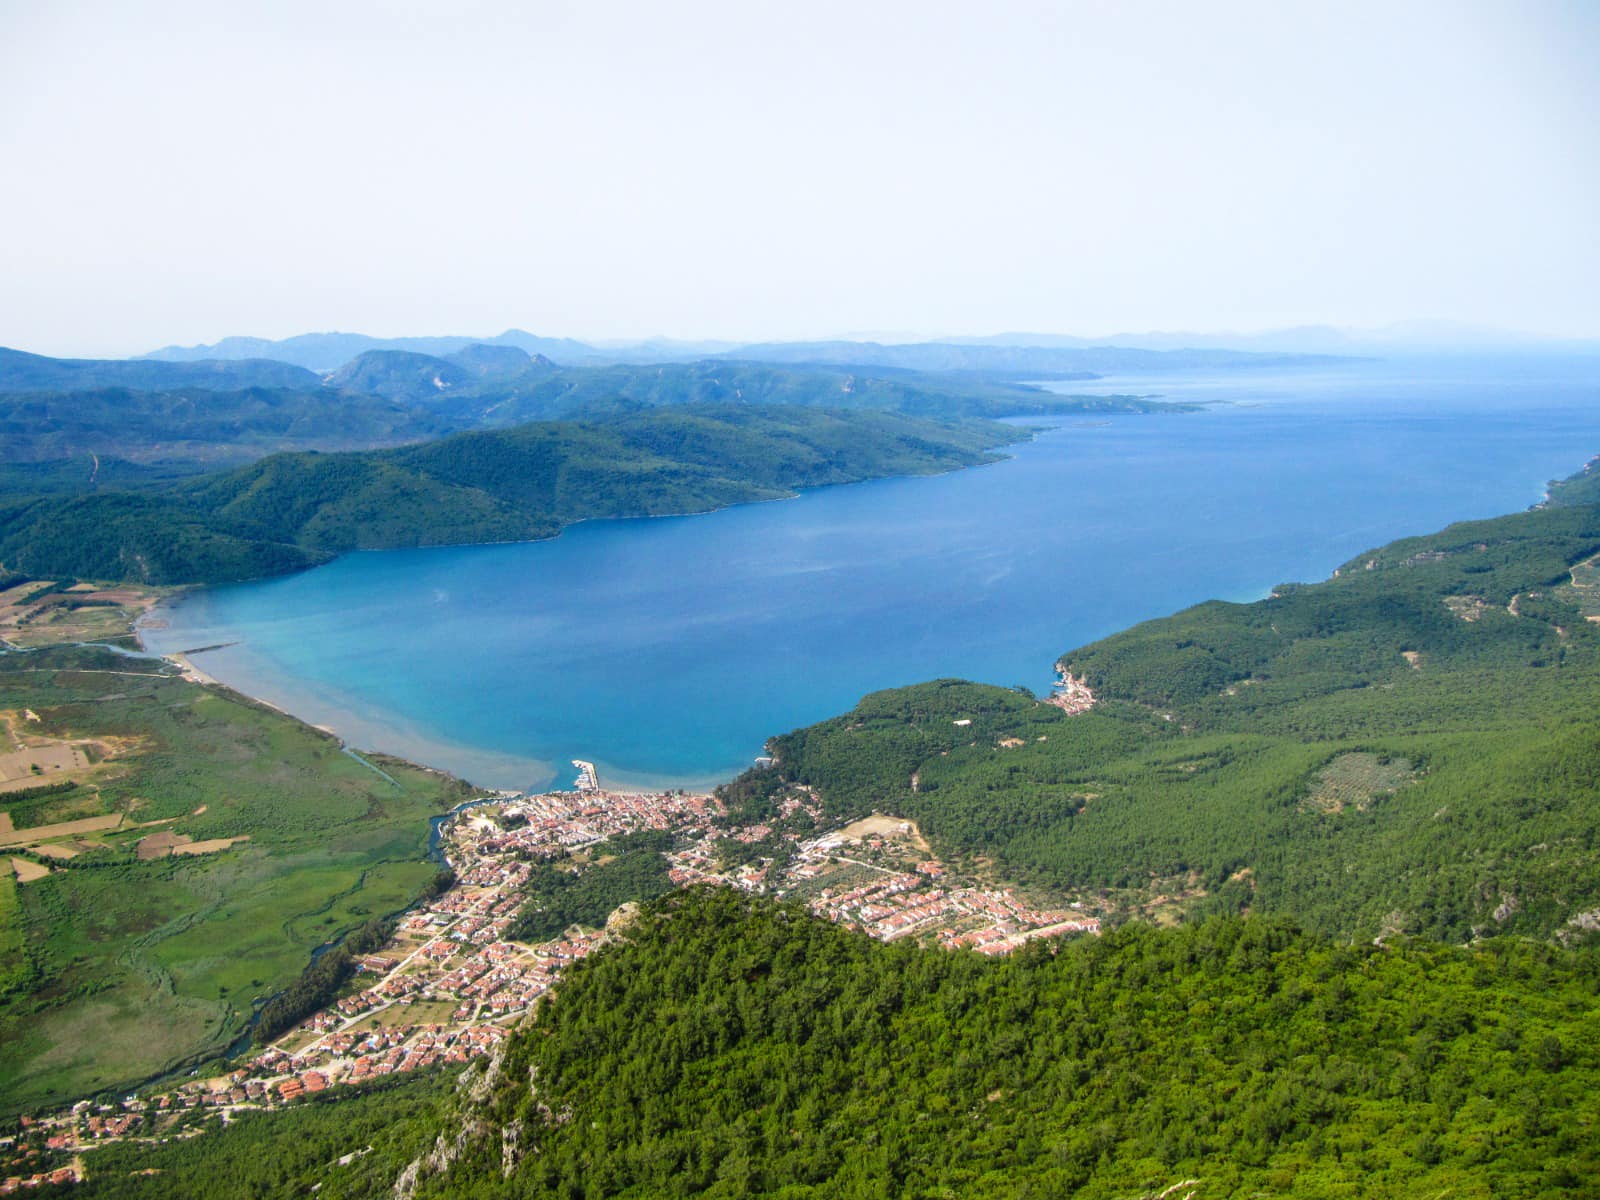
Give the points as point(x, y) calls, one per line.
point(588, 781)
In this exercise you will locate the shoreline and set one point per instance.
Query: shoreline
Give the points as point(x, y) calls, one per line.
point(390, 735)
point(177, 593)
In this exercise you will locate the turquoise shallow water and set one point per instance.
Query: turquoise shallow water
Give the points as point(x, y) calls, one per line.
point(668, 650)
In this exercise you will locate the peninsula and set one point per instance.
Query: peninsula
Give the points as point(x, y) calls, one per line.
point(295, 510)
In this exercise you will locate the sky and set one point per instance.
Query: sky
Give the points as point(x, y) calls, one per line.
point(181, 172)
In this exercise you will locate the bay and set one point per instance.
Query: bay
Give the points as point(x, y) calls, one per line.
point(668, 650)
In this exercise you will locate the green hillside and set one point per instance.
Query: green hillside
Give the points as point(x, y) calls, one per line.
point(482, 387)
point(24, 372)
point(1578, 489)
point(195, 416)
point(738, 1048)
point(431, 380)
point(289, 511)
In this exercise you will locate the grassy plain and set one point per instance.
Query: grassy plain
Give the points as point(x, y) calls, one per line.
point(117, 968)
point(13, 962)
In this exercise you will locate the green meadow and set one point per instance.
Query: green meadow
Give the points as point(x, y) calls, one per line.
point(118, 967)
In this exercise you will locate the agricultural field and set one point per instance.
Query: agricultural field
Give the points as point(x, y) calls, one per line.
point(1356, 779)
point(54, 613)
point(1585, 588)
point(262, 840)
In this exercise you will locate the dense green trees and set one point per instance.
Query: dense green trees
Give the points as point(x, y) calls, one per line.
point(24, 372)
point(320, 982)
point(339, 1143)
point(201, 428)
point(737, 1047)
point(581, 393)
point(559, 894)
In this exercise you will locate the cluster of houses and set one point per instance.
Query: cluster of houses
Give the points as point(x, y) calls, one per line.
point(551, 824)
point(887, 901)
point(12, 1184)
point(1071, 694)
point(42, 1141)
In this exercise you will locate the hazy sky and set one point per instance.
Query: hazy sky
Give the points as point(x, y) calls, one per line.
point(178, 172)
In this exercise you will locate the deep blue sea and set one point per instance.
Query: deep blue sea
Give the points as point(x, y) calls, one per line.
point(668, 650)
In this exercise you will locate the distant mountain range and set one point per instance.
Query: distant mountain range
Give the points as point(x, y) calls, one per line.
point(1015, 356)
point(98, 458)
point(178, 417)
point(324, 352)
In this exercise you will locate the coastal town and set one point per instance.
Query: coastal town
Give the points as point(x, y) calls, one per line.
point(452, 980)
point(1070, 694)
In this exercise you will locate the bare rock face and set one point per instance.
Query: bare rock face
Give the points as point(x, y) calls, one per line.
point(476, 1086)
point(622, 917)
point(446, 1150)
point(510, 1149)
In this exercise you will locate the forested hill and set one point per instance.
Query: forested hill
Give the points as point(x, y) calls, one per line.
point(24, 372)
point(498, 386)
point(1579, 489)
point(734, 1047)
point(737, 1048)
point(1409, 747)
point(193, 428)
point(289, 511)
point(545, 393)
point(428, 379)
